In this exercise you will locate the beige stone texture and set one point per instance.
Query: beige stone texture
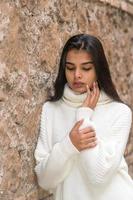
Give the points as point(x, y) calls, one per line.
point(32, 34)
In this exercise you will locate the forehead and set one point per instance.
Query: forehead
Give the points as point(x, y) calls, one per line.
point(78, 55)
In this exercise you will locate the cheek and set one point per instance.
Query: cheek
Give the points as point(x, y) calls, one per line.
point(91, 77)
point(68, 76)
point(94, 76)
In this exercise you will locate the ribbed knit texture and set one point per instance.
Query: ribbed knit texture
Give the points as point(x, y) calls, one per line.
point(99, 173)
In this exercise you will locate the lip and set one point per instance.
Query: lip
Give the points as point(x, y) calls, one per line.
point(78, 84)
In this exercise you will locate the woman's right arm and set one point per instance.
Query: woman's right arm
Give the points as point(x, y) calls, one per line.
point(52, 163)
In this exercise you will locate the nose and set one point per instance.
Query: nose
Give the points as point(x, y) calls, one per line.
point(78, 74)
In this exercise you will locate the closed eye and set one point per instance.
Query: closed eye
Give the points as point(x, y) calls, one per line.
point(83, 68)
point(70, 68)
point(87, 68)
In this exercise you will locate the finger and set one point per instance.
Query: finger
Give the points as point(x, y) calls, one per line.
point(95, 88)
point(94, 91)
point(86, 130)
point(90, 145)
point(87, 135)
point(87, 100)
point(90, 140)
point(98, 90)
point(92, 95)
point(88, 90)
point(97, 93)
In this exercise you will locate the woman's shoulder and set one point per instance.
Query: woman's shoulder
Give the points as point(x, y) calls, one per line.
point(122, 108)
point(48, 105)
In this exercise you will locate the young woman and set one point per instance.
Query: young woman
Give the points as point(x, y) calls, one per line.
point(84, 129)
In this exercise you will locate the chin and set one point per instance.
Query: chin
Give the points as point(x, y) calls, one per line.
point(80, 91)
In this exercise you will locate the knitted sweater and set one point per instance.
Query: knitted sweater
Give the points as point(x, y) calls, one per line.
point(98, 173)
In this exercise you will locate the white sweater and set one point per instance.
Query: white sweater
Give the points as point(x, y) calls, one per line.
point(99, 173)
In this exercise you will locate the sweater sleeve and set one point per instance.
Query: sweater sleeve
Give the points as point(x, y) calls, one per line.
point(53, 163)
point(102, 161)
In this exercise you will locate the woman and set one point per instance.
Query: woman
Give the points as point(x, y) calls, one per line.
point(84, 129)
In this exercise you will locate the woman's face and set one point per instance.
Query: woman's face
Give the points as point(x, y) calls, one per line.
point(80, 70)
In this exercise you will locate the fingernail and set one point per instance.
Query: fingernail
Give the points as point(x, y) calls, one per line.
point(87, 87)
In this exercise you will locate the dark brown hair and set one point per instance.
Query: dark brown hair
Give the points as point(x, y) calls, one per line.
point(92, 45)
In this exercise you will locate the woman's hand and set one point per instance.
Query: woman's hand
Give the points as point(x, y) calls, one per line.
point(83, 139)
point(86, 138)
point(92, 96)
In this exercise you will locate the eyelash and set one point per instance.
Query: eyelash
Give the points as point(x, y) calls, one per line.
point(86, 69)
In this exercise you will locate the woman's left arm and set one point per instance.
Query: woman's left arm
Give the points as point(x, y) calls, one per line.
point(102, 161)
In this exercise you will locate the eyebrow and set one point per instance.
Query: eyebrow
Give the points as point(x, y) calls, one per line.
point(88, 62)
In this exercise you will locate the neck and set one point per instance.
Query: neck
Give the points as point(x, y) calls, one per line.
point(75, 99)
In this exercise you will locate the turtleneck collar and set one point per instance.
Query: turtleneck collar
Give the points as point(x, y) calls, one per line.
point(76, 100)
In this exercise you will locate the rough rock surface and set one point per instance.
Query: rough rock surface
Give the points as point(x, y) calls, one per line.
point(32, 33)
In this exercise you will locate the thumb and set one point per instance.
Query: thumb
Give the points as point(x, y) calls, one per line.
point(78, 124)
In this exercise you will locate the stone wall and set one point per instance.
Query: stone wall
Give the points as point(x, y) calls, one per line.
point(32, 33)
point(125, 5)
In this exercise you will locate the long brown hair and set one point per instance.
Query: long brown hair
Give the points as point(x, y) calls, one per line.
point(92, 45)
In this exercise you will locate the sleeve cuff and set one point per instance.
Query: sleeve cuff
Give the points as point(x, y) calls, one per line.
point(84, 112)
